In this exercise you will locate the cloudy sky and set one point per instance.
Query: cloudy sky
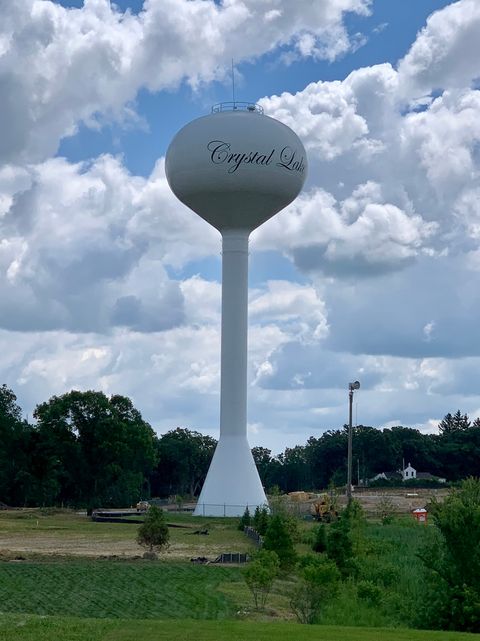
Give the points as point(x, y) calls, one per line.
point(107, 282)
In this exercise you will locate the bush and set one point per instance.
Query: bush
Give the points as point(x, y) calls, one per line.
point(452, 560)
point(320, 539)
point(260, 574)
point(386, 510)
point(379, 573)
point(278, 539)
point(339, 545)
point(346, 538)
point(318, 583)
point(153, 533)
point(261, 519)
point(369, 591)
point(246, 520)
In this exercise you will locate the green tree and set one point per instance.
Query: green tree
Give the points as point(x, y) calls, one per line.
point(245, 520)
point(97, 448)
point(263, 460)
point(153, 533)
point(454, 423)
point(319, 579)
point(325, 455)
point(452, 560)
point(184, 457)
point(260, 574)
point(15, 443)
point(319, 544)
point(261, 519)
point(386, 509)
point(278, 539)
point(345, 538)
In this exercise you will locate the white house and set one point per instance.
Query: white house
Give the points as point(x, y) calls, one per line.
point(409, 473)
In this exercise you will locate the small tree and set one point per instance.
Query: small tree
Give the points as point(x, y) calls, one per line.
point(319, 580)
point(320, 541)
point(245, 520)
point(261, 519)
point(153, 533)
point(278, 539)
point(260, 574)
point(345, 538)
point(453, 561)
point(339, 545)
point(386, 509)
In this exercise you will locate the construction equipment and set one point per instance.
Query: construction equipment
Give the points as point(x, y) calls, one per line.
point(142, 506)
point(324, 509)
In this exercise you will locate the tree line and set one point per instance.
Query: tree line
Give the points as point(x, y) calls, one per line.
point(86, 449)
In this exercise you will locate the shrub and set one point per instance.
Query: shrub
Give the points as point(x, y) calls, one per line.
point(278, 539)
point(339, 545)
point(379, 573)
point(320, 539)
point(261, 519)
point(318, 583)
point(153, 533)
point(260, 574)
point(369, 591)
point(386, 510)
point(245, 520)
point(452, 560)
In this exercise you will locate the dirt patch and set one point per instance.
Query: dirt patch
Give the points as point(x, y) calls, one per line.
point(61, 543)
point(46, 545)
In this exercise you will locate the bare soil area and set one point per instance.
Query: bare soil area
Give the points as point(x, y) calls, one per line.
point(29, 533)
point(374, 501)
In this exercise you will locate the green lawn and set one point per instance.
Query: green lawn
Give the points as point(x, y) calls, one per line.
point(35, 628)
point(67, 570)
point(102, 589)
point(36, 533)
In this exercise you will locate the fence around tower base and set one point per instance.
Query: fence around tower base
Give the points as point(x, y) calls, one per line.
point(222, 509)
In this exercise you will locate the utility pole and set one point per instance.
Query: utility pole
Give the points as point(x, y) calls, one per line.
point(351, 387)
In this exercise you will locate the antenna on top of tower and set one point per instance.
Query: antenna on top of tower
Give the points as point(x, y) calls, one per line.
point(233, 85)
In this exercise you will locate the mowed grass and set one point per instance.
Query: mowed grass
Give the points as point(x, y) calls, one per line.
point(102, 589)
point(128, 587)
point(29, 628)
point(31, 533)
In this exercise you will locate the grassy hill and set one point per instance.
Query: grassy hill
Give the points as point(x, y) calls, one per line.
point(55, 565)
point(31, 628)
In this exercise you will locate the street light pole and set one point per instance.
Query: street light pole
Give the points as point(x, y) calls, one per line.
point(351, 387)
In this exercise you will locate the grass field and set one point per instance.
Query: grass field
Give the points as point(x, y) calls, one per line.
point(112, 589)
point(33, 533)
point(28, 628)
point(59, 564)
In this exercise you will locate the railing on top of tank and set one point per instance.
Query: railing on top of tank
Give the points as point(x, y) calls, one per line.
point(237, 106)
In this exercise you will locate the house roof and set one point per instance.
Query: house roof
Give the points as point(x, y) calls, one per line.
point(387, 475)
point(393, 475)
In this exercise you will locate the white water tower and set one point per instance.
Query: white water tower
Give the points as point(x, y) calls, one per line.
point(236, 168)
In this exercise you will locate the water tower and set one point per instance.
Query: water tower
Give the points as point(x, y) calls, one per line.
point(236, 168)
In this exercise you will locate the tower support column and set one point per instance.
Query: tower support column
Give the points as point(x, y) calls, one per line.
point(233, 482)
point(233, 395)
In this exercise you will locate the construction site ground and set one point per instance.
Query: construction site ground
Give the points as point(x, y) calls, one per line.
point(374, 501)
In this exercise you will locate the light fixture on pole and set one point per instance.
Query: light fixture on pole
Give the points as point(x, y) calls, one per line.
point(351, 387)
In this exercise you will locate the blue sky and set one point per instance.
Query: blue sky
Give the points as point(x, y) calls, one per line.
point(389, 31)
point(108, 282)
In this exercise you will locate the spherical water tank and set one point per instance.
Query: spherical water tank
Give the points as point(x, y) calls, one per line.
point(236, 168)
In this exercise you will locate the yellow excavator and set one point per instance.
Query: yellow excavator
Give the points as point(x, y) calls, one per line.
point(324, 509)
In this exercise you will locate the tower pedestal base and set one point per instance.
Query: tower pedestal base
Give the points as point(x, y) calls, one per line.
point(232, 482)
